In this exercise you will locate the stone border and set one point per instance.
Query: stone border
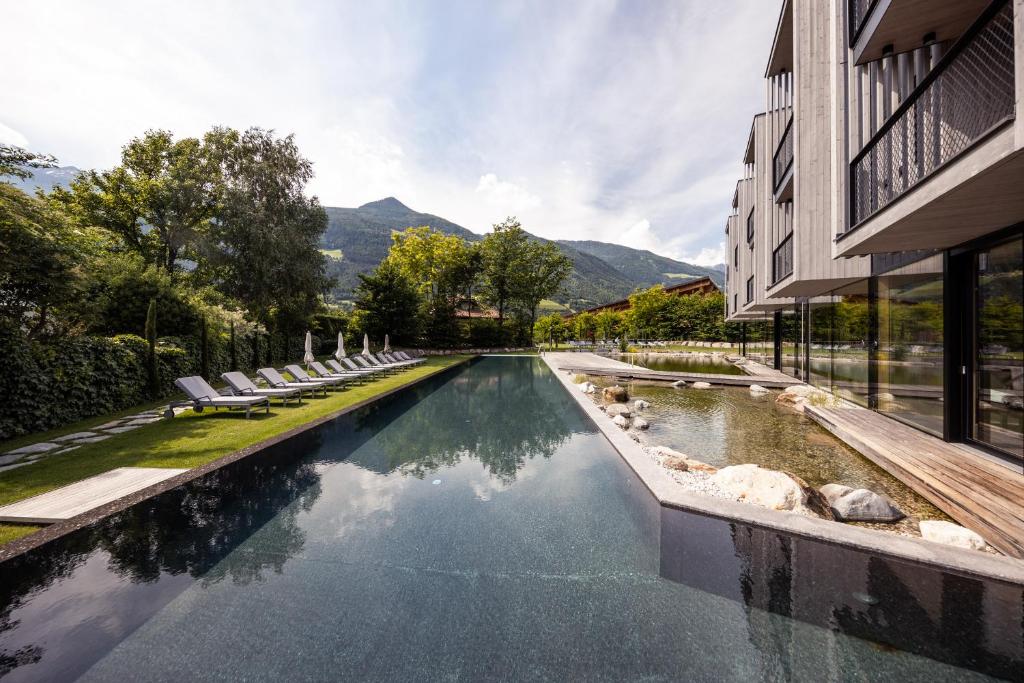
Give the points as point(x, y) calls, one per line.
point(670, 493)
point(59, 529)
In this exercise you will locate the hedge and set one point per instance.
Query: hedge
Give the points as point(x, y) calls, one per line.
point(45, 386)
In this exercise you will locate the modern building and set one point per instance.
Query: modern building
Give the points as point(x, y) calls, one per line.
point(876, 240)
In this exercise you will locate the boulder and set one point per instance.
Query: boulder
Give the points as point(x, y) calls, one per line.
point(677, 464)
point(621, 421)
point(667, 452)
point(586, 387)
point(834, 492)
point(700, 385)
point(679, 384)
point(757, 390)
point(767, 488)
point(615, 394)
point(862, 505)
point(640, 423)
point(814, 500)
point(614, 409)
point(698, 466)
point(641, 404)
point(951, 534)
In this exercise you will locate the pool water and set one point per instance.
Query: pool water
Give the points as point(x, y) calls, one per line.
point(682, 362)
point(727, 426)
point(474, 527)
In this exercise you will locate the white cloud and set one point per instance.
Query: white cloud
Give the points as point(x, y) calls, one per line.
point(507, 197)
point(708, 256)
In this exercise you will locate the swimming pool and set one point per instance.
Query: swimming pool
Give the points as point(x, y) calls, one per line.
point(476, 526)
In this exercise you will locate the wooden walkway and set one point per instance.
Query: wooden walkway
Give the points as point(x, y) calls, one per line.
point(980, 494)
point(85, 495)
point(592, 364)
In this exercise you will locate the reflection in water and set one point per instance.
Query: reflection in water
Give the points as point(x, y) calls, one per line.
point(959, 620)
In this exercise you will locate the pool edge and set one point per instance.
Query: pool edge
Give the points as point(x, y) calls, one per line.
point(60, 529)
point(669, 493)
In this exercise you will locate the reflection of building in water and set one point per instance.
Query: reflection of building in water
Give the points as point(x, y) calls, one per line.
point(959, 620)
point(874, 244)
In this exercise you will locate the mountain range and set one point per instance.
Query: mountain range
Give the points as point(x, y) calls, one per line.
point(357, 239)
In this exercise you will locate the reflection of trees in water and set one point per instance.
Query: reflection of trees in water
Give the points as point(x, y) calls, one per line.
point(501, 417)
point(189, 529)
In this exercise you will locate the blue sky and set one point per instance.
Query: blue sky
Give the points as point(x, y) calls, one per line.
point(615, 121)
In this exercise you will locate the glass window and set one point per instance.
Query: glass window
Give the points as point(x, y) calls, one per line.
point(850, 343)
point(791, 354)
point(820, 370)
point(910, 339)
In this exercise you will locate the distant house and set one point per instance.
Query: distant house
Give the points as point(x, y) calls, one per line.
point(702, 285)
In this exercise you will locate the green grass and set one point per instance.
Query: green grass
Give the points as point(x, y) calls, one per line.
point(548, 306)
point(189, 440)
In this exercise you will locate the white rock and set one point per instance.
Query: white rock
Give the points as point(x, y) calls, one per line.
point(641, 404)
point(666, 452)
point(700, 385)
point(757, 389)
point(767, 488)
point(951, 534)
point(587, 387)
point(678, 384)
point(621, 421)
point(862, 505)
point(640, 423)
point(76, 436)
point(614, 409)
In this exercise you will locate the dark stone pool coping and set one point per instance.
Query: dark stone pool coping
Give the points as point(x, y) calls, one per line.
point(670, 493)
point(60, 529)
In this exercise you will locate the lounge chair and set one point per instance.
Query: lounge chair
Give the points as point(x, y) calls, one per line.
point(303, 377)
point(277, 381)
point(383, 361)
point(353, 370)
point(402, 355)
point(363, 367)
point(371, 362)
point(241, 385)
point(201, 395)
point(324, 373)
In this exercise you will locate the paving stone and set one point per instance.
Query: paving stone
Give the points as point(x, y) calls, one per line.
point(123, 429)
point(15, 466)
point(76, 436)
point(94, 439)
point(141, 421)
point(112, 423)
point(41, 447)
point(8, 459)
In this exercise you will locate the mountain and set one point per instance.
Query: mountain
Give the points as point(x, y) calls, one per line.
point(356, 240)
point(45, 178)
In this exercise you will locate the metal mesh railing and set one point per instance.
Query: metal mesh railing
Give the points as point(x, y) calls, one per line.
point(860, 10)
point(782, 259)
point(783, 158)
point(970, 92)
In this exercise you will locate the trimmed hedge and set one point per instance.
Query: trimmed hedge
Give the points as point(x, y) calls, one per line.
point(45, 386)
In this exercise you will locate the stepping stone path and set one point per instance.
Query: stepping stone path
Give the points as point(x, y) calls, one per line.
point(26, 455)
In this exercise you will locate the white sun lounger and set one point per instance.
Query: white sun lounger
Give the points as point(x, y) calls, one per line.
point(354, 370)
point(362, 367)
point(241, 385)
point(303, 377)
point(324, 373)
point(201, 395)
point(277, 381)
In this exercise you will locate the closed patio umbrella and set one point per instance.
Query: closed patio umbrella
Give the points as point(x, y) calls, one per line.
point(309, 357)
point(366, 345)
point(387, 344)
point(340, 353)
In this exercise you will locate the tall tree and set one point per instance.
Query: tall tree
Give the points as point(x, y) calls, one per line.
point(541, 268)
point(388, 302)
point(15, 161)
point(264, 244)
point(502, 249)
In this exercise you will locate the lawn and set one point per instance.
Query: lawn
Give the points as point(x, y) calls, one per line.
point(189, 440)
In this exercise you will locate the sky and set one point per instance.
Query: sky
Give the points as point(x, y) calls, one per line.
point(622, 121)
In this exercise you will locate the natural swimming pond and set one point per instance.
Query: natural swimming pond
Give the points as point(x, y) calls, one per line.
point(476, 526)
point(682, 362)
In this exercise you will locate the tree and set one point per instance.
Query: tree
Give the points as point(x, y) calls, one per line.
point(549, 329)
point(387, 302)
point(584, 326)
point(14, 161)
point(607, 324)
point(160, 200)
point(152, 370)
point(501, 249)
point(647, 315)
point(541, 270)
point(263, 247)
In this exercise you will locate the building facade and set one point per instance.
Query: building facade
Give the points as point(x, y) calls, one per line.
point(876, 240)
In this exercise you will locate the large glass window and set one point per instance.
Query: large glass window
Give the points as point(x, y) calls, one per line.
point(791, 346)
point(820, 320)
point(850, 342)
point(909, 354)
point(998, 401)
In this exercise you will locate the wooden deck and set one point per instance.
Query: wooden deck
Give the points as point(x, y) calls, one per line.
point(980, 494)
point(85, 495)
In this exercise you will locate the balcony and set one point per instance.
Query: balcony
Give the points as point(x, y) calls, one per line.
point(966, 98)
point(782, 166)
point(782, 260)
point(859, 11)
point(899, 25)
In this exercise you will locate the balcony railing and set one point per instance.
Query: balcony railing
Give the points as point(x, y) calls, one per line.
point(860, 10)
point(967, 95)
point(783, 159)
point(782, 259)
